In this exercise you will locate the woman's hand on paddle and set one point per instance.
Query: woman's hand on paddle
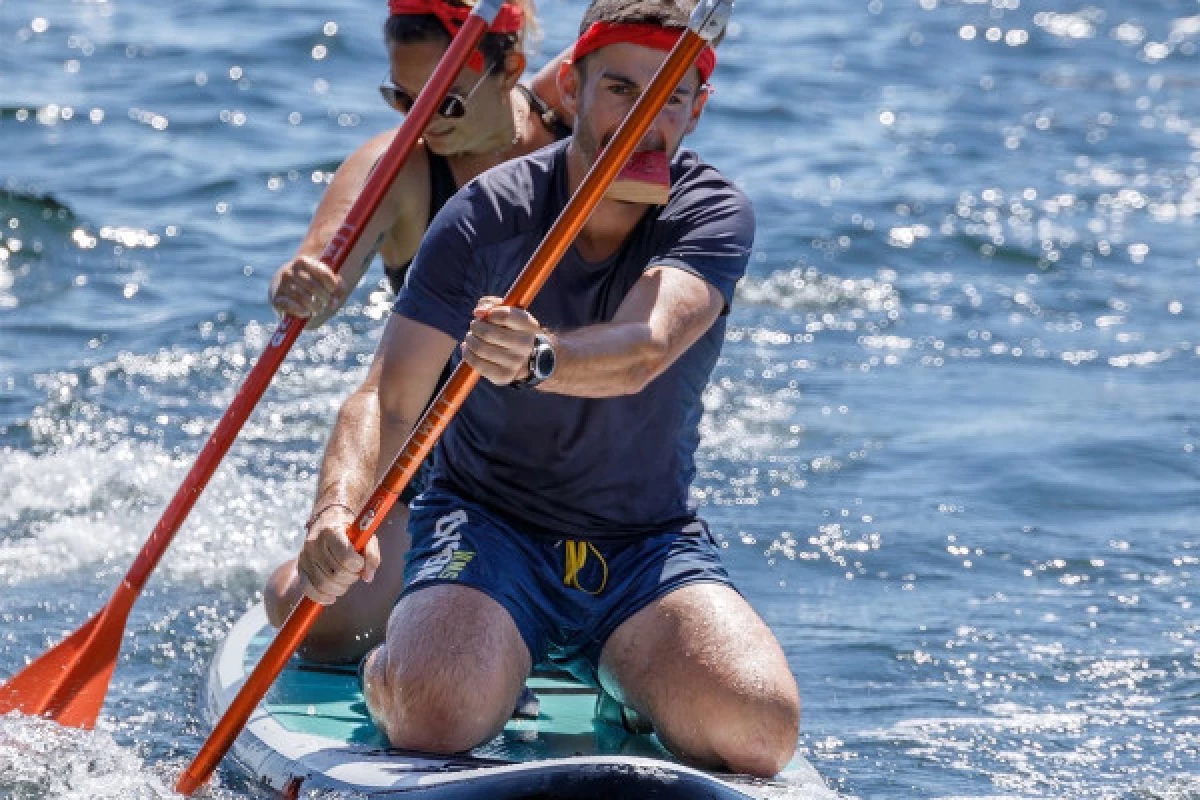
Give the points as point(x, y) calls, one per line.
point(305, 287)
point(328, 564)
point(499, 341)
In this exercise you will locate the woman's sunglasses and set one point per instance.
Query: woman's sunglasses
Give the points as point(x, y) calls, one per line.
point(453, 106)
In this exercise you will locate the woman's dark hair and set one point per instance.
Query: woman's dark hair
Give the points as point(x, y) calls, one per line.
point(406, 28)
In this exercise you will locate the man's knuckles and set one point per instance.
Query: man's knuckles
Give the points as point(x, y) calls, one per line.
point(495, 368)
point(340, 557)
point(517, 319)
point(508, 340)
point(339, 554)
point(487, 354)
point(326, 587)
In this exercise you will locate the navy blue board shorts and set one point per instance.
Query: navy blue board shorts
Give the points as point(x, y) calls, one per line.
point(566, 596)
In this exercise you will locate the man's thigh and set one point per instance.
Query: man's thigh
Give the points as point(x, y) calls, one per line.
point(699, 634)
point(462, 639)
point(459, 637)
point(459, 543)
point(706, 670)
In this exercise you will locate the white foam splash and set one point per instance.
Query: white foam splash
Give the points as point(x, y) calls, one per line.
point(80, 507)
point(39, 759)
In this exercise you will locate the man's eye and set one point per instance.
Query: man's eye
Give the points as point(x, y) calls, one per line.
point(620, 89)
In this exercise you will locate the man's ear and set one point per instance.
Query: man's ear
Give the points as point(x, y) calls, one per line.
point(570, 82)
point(701, 99)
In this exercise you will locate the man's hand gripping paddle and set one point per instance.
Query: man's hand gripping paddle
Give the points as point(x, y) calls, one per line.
point(707, 22)
point(68, 682)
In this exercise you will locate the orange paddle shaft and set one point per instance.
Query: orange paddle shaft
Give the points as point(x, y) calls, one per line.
point(707, 21)
point(68, 682)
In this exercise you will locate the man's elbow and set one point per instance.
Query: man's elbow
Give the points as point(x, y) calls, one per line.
point(653, 358)
point(363, 400)
point(397, 419)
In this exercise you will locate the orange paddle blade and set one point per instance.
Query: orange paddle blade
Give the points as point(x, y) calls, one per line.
point(67, 683)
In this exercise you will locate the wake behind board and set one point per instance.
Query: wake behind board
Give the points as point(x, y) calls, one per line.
point(312, 732)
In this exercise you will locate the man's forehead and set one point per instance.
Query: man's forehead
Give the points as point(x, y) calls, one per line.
point(635, 62)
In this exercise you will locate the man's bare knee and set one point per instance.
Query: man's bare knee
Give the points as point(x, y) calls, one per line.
point(753, 733)
point(437, 718)
point(442, 641)
point(715, 681)
point(763, 740)
point(416, 712)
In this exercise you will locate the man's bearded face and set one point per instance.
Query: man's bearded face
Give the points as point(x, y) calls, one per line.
point(611, 80)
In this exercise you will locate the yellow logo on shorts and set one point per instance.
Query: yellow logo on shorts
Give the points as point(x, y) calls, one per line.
point(458, 562)
point(447, 561)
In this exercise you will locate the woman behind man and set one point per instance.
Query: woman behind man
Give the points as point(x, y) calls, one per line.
point(487, 118)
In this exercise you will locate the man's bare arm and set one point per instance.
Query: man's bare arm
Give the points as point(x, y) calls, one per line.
point(665, 312)
point(371, 428)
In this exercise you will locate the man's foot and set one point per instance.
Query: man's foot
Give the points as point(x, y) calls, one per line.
point(528, 705)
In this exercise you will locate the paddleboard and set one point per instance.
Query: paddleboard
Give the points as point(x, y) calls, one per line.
point(312, 732)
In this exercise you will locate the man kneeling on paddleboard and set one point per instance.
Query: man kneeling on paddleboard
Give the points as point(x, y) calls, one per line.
point(556, 528)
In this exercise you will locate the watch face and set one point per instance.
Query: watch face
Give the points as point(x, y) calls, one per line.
point(545, 362)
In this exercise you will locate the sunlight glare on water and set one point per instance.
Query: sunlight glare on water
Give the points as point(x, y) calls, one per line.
point(950, 451)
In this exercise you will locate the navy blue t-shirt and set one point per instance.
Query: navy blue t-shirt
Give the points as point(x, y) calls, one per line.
point(572, 466)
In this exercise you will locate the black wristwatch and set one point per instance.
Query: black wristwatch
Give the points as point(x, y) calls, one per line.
point(541, 363)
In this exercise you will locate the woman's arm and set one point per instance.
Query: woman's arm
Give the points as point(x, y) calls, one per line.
point(545, 85)
point(307, 288)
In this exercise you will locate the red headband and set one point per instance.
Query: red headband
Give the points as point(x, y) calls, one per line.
point(602, 34)
point(510, 18)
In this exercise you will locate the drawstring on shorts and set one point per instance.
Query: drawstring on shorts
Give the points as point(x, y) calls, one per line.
point(576, 557)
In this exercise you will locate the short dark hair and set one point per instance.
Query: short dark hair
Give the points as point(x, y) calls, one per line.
point(663, 13)
point(406, 28)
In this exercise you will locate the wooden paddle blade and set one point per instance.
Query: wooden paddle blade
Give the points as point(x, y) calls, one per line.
point(67, 683)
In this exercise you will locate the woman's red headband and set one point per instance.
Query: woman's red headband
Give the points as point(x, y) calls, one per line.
point(510, 18)
point(602, 34)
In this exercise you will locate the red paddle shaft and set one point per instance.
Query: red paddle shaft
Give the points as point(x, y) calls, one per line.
point(68, 682)
point(706, 22)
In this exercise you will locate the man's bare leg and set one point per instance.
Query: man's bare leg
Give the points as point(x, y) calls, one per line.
point(711, 676)
point(346, 630)
point(449, 672)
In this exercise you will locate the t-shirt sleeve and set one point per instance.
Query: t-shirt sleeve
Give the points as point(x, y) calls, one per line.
point(712, 234)
point(442, 285)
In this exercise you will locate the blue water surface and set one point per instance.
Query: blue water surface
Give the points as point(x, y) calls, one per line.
point(952, 446)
